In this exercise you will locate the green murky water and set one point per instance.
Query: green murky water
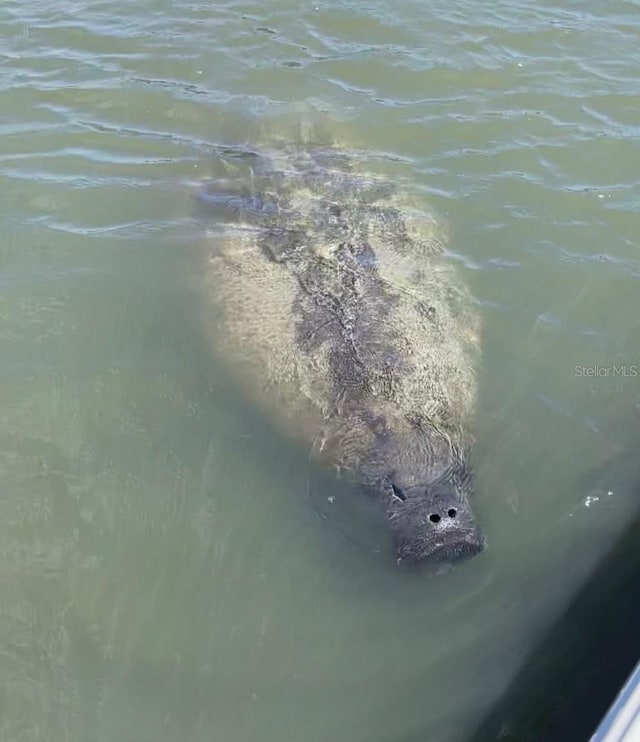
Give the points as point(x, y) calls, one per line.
point(164, 572)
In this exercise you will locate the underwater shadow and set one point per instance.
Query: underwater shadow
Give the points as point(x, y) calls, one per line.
point(572, 676)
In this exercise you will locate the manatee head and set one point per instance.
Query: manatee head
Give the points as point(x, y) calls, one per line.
point(431, 523)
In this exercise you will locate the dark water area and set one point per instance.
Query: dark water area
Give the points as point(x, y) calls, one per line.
point(572, 676)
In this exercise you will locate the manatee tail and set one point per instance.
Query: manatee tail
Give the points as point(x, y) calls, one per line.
point(310, 124)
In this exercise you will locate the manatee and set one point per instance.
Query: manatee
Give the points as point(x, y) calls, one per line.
point(329, 294)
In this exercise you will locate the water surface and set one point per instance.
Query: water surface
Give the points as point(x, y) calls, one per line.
point(166, 572)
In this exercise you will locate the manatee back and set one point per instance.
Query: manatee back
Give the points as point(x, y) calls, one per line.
point(328, 294)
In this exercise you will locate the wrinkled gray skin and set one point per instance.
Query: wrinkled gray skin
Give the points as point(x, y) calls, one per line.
point(327, 293)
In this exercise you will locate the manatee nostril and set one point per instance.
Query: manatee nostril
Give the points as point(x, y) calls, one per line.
point(434, 518)
point(452, 512)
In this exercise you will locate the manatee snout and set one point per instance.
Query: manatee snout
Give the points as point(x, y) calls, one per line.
point(433, 524)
